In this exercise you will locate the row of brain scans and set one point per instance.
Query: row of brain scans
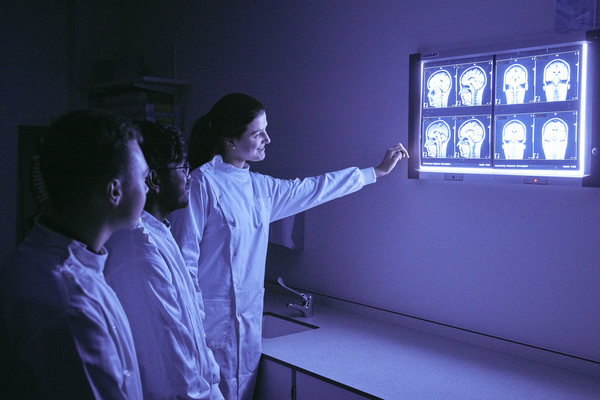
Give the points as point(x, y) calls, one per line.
point(518, 137)
point(519, 80)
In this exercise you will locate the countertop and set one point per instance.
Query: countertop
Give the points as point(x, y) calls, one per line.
point(386, 359)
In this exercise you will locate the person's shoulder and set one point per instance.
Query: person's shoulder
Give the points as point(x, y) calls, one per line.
point(32, 264)
point(34, 283)
point(127, 247)
point(262, 181)
point(137, 263)
point(126, 239)
point(202, 174)
point(206, 168)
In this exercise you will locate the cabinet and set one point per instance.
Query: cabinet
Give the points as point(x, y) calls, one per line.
point(280, 381)
point(143, 98)
point(274, 381)
point(310, 388)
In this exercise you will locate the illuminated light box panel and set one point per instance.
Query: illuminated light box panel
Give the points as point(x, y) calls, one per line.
point(528, 115)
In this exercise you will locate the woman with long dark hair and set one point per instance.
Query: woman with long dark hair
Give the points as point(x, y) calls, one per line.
point(223, 233)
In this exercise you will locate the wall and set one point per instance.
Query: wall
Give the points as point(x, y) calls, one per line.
point(518, 262)
point(33, 87)
point(512, 261)
point(46, 55)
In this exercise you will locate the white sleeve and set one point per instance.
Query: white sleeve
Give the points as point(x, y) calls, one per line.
point(187, 227)
point(290, 197)
point(166, 347)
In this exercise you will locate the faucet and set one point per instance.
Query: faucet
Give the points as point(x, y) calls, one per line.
point(306, 308)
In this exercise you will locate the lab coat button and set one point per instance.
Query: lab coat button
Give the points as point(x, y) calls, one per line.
point(233, 223)
point(235, 253)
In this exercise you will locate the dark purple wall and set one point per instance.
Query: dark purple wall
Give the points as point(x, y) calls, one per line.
point(518, 262)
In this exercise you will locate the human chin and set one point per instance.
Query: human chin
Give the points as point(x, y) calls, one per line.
point(184, 198)
point(261, 154)
point(183, 202)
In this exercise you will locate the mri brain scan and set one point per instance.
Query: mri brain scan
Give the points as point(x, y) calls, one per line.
point(472, 82)
point(554, 139)
point(436, 139)
point(470, 137)
point(438, 88)
point(514, 136)
point(557, 75)
point(515, 84)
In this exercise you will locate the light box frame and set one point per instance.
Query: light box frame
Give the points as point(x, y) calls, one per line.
point(575, 116)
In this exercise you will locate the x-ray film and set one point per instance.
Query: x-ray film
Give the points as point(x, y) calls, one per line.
point(456, 139)
point(462, 83)
point(515, 81)
point(543, 139)
point(557, 76)
point(544, 77)
point(518, 110)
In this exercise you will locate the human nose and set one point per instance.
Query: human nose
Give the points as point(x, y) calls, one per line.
point(267, 139)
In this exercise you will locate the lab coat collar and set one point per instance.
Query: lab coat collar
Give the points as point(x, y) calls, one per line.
point(150, 222)
point(218, 164)
point(51, 239)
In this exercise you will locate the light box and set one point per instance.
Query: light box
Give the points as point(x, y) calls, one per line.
point(526, 114)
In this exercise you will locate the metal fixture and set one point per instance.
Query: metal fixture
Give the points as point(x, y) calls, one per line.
point(306, 308)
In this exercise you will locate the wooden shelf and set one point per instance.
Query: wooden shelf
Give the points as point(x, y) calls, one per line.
point(156, 84)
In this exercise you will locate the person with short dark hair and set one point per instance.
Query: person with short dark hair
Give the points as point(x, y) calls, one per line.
point(63, 332)
point(223, 233)
point(147, 271)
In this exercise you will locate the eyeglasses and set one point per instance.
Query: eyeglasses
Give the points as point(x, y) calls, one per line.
point(185, 168)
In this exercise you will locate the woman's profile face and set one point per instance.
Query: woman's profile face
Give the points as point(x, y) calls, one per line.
point(251, 146)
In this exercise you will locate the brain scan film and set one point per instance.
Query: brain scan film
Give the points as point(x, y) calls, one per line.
point(557, 76)
point(514, 137)
point(438, 88)
point(517, 112)
point(437, 136)
point(470, 137)
point(472, 82)
point(555, 133)
point(515, 84)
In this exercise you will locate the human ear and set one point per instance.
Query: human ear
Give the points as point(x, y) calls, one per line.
point(153, 181)
point(114, 191)
point(230, 143)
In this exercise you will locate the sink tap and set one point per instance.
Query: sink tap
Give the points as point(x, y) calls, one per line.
point(306, 308)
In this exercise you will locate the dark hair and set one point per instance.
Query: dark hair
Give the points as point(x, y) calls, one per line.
point(227, 119)
point(163, 144)
point(82, 149)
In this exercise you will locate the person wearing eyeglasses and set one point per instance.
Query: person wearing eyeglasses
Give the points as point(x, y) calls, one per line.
point(147, 271)
point(223, 233)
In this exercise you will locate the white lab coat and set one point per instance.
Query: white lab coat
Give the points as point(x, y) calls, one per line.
point(63, 333)
point(223, 235)
point(146, 270)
